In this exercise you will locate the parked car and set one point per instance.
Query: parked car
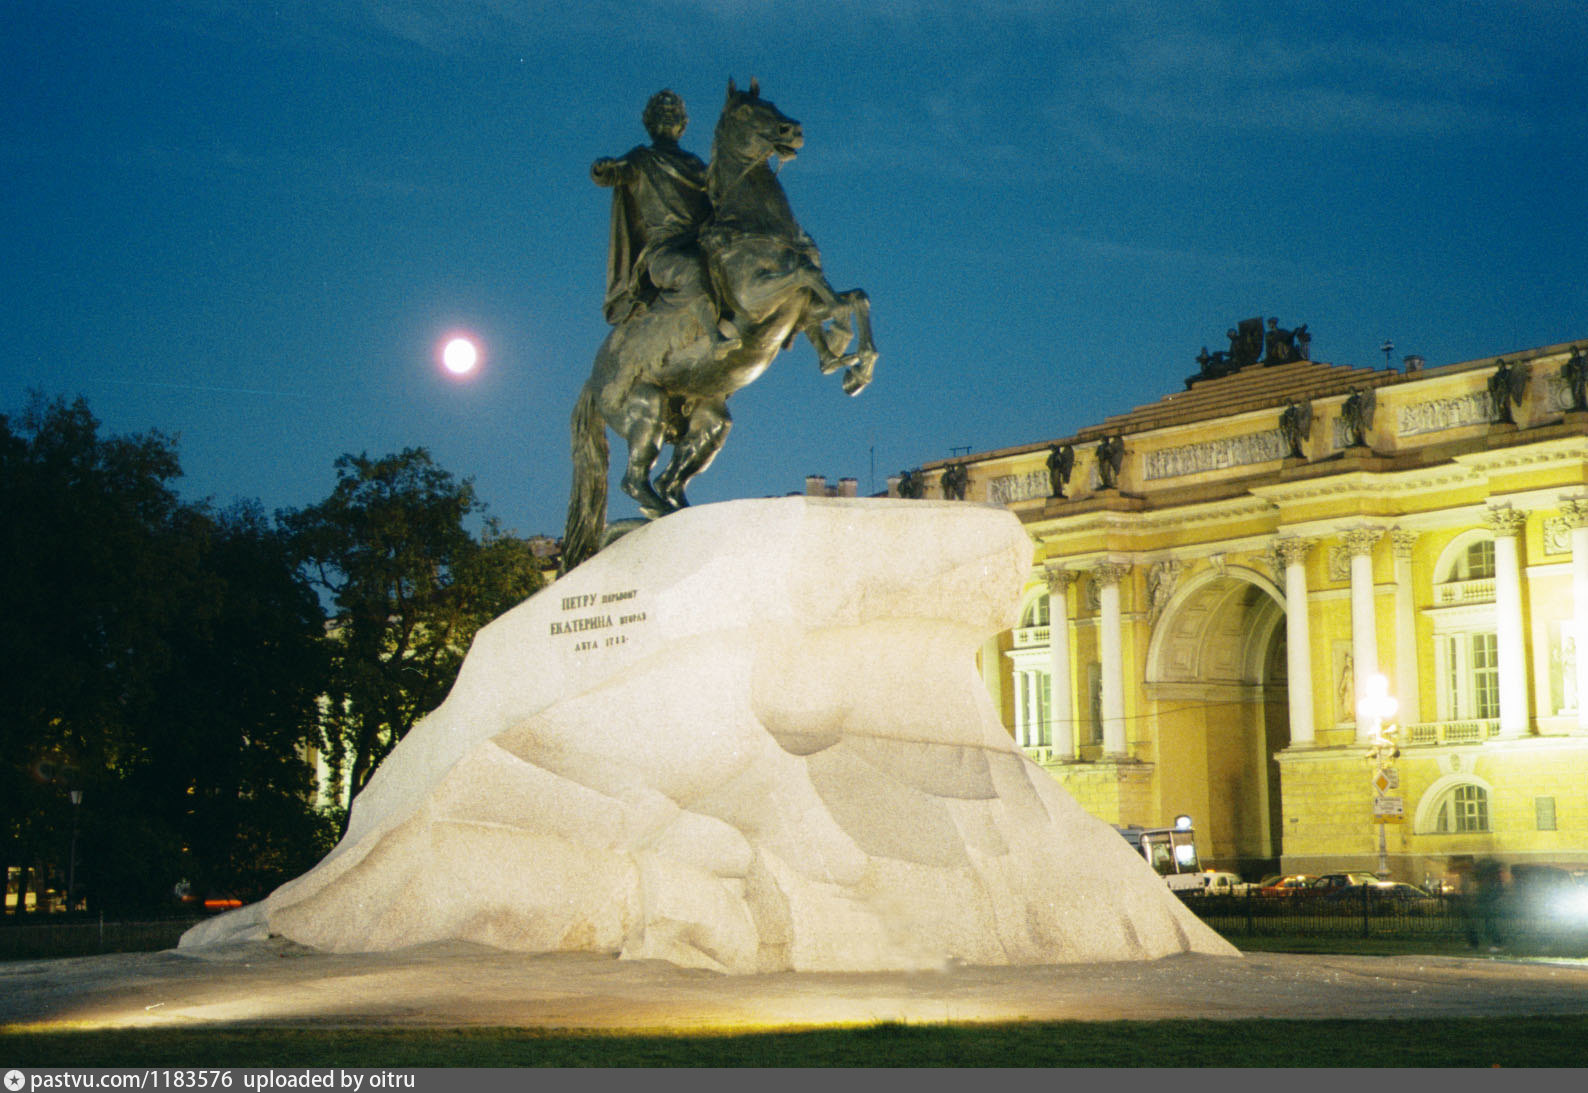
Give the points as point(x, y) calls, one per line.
point(1215, 883)
point(1292, 885)
point(1331, 881)
point(1382, 896)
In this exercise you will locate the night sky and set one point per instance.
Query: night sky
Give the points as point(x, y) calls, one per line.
point(251, 225)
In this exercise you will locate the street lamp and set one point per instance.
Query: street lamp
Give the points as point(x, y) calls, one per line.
point(71, 859)
point(1376, 707)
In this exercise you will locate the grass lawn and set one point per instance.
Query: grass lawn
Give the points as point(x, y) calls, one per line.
point(1464, 1042)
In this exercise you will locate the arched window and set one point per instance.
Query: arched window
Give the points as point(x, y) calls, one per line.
point(1036, 612)
point(1475, 563)
point(1466, 649)
point(1464, 808)
point(1031, 678)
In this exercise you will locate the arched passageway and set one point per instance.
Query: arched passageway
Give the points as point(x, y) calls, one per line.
point(1218, 702)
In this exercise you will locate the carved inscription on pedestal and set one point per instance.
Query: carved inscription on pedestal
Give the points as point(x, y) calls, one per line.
point(598, 620)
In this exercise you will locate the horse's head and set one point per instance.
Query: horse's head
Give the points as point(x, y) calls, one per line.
point(753, 129)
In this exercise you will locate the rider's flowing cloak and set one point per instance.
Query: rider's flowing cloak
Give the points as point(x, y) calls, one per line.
point(678, 183)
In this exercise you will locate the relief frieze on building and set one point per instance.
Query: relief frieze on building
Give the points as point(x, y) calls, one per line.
point(1339, 563)
point(1214, 455)
point(1557, 393)
point(1009, 488)
point(1557, 535)
point(1437, 415)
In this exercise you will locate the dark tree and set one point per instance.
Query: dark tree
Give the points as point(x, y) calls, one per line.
point(86, 560)
point(161, 658)
point(410, 587)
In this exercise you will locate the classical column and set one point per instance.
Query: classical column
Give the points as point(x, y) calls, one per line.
point(1109, 574)
point(1298, 639)
point(1022, 719)
point(1364, 622)
point(1406, 691)
point(1506, 523)
point(1576, 513)
point(1061, 706)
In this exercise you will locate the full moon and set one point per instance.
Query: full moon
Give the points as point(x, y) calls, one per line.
point(460, 356)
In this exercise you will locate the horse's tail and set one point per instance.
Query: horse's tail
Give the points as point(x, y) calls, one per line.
point(587, 503)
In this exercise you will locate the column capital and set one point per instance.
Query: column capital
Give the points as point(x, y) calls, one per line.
point(1360, 540)
point(1575, 511)
point(1058, 578)
point(1293, 551)
point(1504, 520)
point(1108, 573)
point(1403, 542)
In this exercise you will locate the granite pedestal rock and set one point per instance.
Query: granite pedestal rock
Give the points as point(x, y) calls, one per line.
point(748, 737)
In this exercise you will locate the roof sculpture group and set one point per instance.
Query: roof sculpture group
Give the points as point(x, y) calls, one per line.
point(1249, 344)
point(709, 276)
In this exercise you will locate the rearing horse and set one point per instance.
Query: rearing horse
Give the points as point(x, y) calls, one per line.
point(654, 387)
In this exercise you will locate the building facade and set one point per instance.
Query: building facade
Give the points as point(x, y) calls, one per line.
point(1220, 574)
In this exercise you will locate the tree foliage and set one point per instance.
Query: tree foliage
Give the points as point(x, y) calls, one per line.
point(409, 587)
point(175, 663)
point(161, 657)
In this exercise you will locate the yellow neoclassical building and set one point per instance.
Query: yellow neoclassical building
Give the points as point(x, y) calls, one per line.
point(1224, 569)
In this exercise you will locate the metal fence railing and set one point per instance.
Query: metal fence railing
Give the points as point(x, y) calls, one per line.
point(64, 937)
point(1359, 912)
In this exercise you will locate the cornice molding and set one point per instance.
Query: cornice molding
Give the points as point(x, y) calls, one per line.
point(1371, 484)
point(1561, 452)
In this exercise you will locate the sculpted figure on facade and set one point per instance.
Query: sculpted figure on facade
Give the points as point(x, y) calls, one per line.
point(1061, 461)
point(954, 481)
point(1295, 426)
point(1110, 460)
point(911, 486)
point(1575, 373)
point(1162, 579)
point(1281, 344)
point(1507, 386)
point(709, 277)
point(1357, 416)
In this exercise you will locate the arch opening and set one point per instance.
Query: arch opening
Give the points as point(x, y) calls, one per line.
point(1217, 694)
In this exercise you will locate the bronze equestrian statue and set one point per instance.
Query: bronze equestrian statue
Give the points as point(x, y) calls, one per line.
point(676, 352)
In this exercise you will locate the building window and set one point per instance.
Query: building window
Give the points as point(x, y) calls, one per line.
point(1463, 810)
point(1036, 613)
point(1094, 707)
point(1476, 564)
point(1033, 697)
point(1469, 677)
point(1544, 813)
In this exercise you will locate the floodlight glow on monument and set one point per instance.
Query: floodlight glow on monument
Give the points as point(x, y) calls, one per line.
point(670, 753)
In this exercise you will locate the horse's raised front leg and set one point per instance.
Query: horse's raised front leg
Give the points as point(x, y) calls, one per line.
point(850, 316)
point(693, 452)
point(642, 426)
point(865, 355)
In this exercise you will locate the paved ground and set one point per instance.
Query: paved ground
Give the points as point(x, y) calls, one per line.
point(278, 983)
